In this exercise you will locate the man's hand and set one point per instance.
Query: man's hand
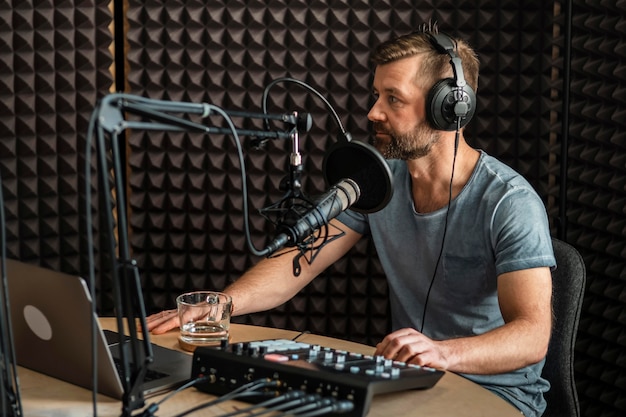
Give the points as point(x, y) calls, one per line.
point(162, 322)
point(411, 346)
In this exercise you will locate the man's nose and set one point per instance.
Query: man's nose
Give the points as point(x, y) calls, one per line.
point(375, 114)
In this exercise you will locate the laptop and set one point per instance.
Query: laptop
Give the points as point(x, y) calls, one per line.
point(51, 315)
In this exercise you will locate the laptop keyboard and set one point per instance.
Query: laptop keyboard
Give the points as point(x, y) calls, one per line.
point(151, 374)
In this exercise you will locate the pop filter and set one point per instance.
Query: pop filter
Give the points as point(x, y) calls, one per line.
point(363, 164)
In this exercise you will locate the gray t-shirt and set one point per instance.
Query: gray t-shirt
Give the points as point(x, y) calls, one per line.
point(496, 224)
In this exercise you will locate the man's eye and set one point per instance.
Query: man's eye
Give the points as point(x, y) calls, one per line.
point(393, 99)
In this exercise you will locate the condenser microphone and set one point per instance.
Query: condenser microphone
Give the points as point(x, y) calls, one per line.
point(362, 181)
point(296, 228)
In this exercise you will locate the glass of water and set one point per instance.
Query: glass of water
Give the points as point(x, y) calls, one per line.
point(204, 318)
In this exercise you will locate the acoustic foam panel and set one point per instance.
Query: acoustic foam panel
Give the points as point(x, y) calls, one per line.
point(54, 64)
point(596, 197)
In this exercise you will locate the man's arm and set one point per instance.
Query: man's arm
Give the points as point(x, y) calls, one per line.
point(525, 302)
point(271, 282)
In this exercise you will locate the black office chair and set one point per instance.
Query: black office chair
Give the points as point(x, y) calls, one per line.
point(568, 283)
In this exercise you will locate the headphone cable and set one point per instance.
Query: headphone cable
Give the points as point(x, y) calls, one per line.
point(445, 225)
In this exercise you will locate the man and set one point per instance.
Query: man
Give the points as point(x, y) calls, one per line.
point(464, 241)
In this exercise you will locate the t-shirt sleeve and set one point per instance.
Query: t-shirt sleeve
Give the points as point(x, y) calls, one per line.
point(355, 221)
point(521, 233)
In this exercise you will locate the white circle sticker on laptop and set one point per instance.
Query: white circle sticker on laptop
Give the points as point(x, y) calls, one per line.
point(38, 322)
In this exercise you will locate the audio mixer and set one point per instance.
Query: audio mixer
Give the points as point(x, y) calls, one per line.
point(314, 369)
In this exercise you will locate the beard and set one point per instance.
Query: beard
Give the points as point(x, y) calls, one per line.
point(414, 144)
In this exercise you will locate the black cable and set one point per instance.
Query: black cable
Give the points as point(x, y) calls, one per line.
point(316, 403)
point(296, 337)
point(445, 225)
point(285, 401)
point(346, 135)
point(244, 187)
point(91, 261)
point(222, 399)
point(152, 408)
point(336, 407)
point(248, 389)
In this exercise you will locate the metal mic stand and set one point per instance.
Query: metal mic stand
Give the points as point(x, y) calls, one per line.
point(110, 123)
point(9, 383)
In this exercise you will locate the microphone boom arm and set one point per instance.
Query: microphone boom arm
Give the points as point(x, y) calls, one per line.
point(115, 105)
point(110, 119)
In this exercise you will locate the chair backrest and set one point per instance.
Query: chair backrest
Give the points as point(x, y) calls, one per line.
point(568, 283)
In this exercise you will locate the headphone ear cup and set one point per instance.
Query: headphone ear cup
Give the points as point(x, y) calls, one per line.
point(443, 108)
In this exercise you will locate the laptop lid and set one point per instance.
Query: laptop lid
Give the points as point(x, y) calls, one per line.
point(51, 315)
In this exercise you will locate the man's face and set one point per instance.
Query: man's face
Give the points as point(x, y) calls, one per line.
point(399, 113)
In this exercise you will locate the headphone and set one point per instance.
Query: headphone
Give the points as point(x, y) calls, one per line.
point(451, 103)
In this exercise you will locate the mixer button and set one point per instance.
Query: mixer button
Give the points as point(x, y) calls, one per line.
point(275, 357)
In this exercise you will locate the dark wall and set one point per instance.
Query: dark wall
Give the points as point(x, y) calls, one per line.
point(550, 104)
point(595, 195)
point(55, 63)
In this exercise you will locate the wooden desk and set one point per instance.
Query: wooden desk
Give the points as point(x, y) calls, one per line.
point(451, 396)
